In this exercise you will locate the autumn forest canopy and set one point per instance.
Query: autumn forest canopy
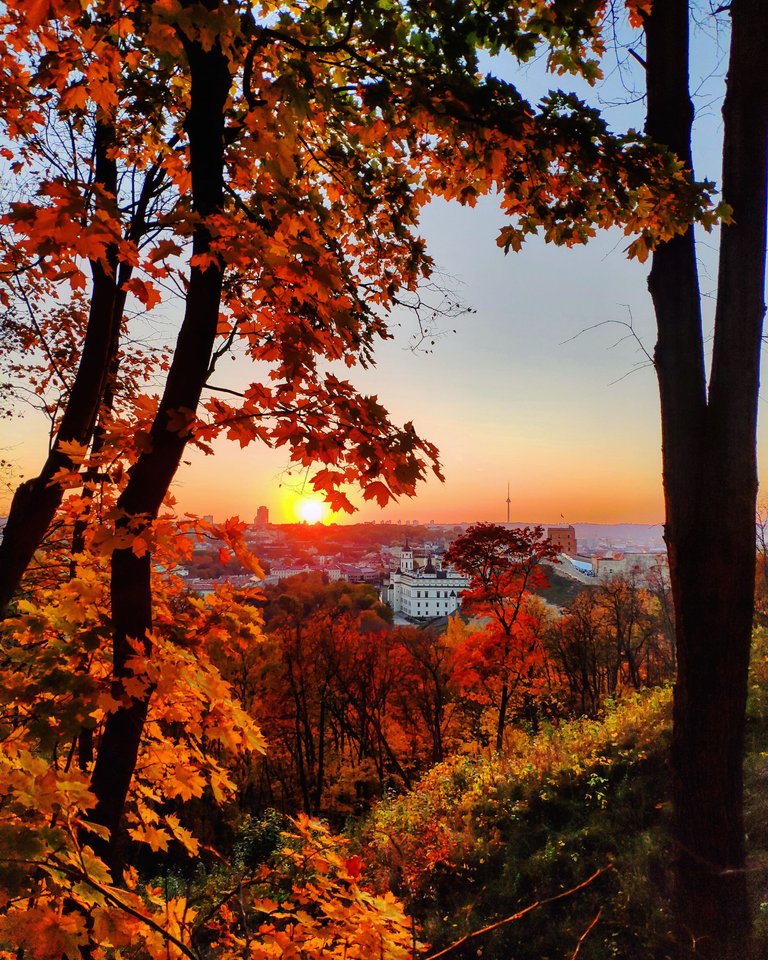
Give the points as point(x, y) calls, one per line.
point(283, 770)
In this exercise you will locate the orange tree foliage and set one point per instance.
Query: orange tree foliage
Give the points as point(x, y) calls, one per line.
point(609, 639)
point(504, 567)
point(59, 898)
point(351, 707)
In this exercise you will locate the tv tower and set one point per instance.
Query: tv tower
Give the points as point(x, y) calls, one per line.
point(508, 503)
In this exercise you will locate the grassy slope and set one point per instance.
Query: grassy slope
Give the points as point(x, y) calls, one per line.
point(562, 590)
point(481, 838)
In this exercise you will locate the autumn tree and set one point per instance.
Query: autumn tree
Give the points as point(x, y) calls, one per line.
point(708, 442)
point(577, 646)
point(299, 146)
point(710, 466)
point(504, 566)
point(427, 683)
point(328, 680)
point(80, 198)
point(611, 638)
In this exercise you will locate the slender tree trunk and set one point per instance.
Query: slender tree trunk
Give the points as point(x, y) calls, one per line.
point(152, 184)
point(438, 719)
point(153, 472)
point(36, 501)
point(301, 764)
point(320, 775)
point(710, 476)
point(502, 718)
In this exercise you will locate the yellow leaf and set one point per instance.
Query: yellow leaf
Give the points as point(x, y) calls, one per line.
point(157, 839)
point(186, 783)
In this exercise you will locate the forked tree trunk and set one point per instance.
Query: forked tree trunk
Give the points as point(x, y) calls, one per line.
point(710, 475)
point(35, 502)
point(153, 472)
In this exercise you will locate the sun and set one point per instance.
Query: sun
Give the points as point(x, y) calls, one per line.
point(311, 511)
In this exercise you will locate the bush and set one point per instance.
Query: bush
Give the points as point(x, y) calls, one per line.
point(482, 837)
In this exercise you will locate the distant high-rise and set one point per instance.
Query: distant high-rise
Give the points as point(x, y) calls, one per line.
point(508, 504)
point(262, 517)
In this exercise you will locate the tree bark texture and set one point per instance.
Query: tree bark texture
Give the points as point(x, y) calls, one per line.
point(710, 474)
point(153, 472)
point(36, 501)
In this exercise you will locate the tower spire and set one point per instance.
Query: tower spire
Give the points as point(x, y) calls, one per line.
point(508, 503)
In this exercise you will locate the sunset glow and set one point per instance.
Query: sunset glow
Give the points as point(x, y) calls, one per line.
point(312, 510)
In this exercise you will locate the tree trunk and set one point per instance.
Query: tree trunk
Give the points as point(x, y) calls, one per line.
point(320, 775)
point(710, 476)
point(153, 472)
point(501, 721)
point(35, 501)
point(152, 184)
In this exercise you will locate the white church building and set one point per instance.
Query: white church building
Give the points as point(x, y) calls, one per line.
point(423, 591)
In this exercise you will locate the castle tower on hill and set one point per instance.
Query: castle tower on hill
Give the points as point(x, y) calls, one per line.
point(563, 539)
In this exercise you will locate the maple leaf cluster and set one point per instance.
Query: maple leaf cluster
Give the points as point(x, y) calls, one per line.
point(59, 895)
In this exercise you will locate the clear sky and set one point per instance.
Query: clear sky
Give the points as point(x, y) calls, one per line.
point(523, 392)
point(571, 424)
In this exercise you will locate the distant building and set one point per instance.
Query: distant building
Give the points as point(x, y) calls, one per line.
point(278, 573)
point(262, 517)
point(584, 565)
point(423, 592)
point(643, 566)
point(563, 539)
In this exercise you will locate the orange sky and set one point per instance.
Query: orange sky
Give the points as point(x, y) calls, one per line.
point(510, 396)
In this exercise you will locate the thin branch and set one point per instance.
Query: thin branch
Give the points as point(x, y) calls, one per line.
point(521, 913)
point(632, 334)
point(38, 330)
point(586, 933)
point(334, 47)
point(235, 393)
point(20, 270)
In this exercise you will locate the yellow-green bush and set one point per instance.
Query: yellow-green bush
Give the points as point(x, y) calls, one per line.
point(482, 836)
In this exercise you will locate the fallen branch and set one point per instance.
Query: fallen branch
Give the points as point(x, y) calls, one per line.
point(521, 913)
point(586, 933)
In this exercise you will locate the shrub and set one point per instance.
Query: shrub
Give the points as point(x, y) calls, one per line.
point(483, 836)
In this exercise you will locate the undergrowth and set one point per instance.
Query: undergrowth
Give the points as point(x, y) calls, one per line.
point(483, 836)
